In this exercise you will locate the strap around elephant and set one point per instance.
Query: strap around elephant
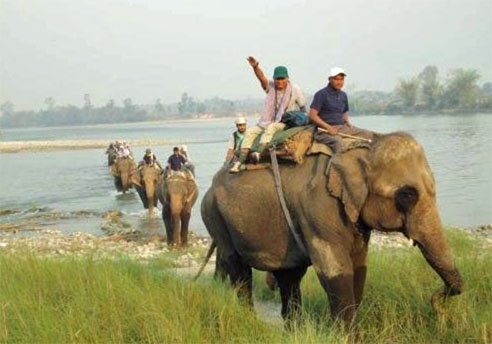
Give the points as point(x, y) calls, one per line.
point(280, 193)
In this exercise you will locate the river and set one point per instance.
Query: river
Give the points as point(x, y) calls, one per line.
point(71, 189)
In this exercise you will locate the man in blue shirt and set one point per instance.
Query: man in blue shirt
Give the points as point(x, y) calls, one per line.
point(176, 161)
point(330, 112)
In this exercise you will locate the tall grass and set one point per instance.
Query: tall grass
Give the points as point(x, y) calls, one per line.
point(115, 301)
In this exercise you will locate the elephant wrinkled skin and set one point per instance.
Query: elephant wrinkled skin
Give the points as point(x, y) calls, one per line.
point(387, 186)
point(177, 193)
point(122, 171)
point(147, 182)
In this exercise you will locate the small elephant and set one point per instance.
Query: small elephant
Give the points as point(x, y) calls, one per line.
point(122, 170)
point(147, 181)
point(177, 192)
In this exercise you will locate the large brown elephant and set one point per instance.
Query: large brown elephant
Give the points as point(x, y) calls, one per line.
point(178, 192)
point(146, 182)
point(122, 170)
point(334, 203)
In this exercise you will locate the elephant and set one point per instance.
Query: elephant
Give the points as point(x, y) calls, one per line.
point(146, 182)
point(122, 170)
point(334, 203)
point(112, 155)
point(177, 193)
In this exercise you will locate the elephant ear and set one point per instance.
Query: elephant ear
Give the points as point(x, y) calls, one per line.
point(347, 181)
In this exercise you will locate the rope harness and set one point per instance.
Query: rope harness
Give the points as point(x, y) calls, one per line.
point(280, 193)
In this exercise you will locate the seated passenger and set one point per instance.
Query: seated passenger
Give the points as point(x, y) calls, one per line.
point(150, 159)
point(236, 138)
point(176, 161)
point(330, 112)
point(183, 150)
point(282, 96)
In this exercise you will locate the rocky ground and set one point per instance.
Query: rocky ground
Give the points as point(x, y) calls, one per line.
point(120, 239)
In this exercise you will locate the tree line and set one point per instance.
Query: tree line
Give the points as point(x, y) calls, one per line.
point(426, 92)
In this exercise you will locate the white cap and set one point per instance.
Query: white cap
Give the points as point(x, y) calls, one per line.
point(184, 148)
point(240, 120)
point(336, 71)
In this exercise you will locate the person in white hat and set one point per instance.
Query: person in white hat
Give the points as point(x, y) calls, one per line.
point(236, 138)
point(330, 112)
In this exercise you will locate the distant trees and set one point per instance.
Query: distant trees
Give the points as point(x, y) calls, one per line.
point(425, 92)
point(459, 91)
point(407, 91)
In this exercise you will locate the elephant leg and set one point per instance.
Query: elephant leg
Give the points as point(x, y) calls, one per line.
point(166, 217)
point(241, 276)
point(220, 266)
point(176, 225)
point(289, 283)
point(185, 221)
point(334, 268)
point(359, 259)
point(117, 184)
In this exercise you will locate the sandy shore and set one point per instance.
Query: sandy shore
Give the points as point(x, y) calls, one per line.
point(37, 146)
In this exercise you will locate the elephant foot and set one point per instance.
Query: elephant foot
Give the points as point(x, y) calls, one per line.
point(270, 281)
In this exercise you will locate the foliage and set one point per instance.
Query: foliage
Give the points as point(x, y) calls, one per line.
point(88, 300)
point(426, 92)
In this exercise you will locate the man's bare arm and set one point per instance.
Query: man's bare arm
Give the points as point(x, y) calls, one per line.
point(229, 155)
point(314, 116)
point(258, 72)
point(345, 118)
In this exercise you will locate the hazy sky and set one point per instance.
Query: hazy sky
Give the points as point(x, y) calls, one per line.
point(149, 49)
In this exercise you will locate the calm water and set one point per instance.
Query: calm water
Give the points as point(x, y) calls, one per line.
point(458, 147)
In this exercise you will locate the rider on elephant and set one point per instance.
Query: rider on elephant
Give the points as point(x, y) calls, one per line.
point(330, 112)
point(236, 138)
point(150, 159)
point(282, 96)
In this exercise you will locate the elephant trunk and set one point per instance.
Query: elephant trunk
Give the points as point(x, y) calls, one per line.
point(125, 180)
point(150, 191)
point(176, 208)
point(426, 230)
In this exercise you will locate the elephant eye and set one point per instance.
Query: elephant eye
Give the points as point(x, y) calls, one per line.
point(405, 198)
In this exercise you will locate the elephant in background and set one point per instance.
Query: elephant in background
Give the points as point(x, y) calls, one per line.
point(122, 170)
point(147, 182)
point(112, 154)
point(177, 192)
point(334, 203)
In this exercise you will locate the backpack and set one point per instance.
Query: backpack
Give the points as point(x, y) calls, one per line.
point(295, 119)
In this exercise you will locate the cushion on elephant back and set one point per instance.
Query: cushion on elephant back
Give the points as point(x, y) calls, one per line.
point(290, 144)
point(183, 174)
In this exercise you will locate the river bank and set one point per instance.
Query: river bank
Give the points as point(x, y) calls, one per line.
point(118, 242)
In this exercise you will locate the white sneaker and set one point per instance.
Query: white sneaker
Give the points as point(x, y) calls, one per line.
point(255, 157)
point(235, 168)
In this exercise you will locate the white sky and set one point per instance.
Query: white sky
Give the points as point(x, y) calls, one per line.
point(149, 49)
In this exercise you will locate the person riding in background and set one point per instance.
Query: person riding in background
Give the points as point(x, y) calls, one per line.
point(150, 159)
point(183, 150)
point(124, 151)
point(176, 161)
point(282, 96)
point(330, 113)
point(236, 138)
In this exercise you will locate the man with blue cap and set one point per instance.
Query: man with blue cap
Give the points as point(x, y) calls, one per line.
point(281, 96)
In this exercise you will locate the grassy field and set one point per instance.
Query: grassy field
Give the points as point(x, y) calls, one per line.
point(49, 300)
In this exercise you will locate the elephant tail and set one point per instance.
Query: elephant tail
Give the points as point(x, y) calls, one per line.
point(211, 250)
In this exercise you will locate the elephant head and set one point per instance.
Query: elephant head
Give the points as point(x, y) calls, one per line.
point(122, 170)
point(147, 181)
point(177, 193)
point(391, 188)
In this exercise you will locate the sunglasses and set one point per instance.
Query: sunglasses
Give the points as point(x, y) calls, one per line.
point(280, 78)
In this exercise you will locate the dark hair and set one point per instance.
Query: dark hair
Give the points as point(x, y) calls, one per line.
point(175, 149)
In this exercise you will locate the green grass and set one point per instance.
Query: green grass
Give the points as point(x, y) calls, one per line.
point(47, 300)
